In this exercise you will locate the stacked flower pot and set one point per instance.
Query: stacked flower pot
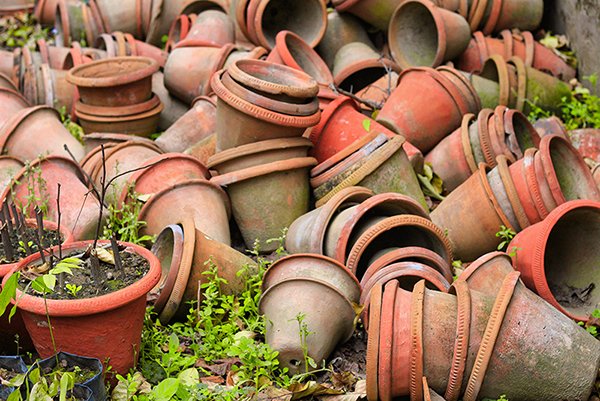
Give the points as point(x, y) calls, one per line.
point(263, 110)
point(116, 96)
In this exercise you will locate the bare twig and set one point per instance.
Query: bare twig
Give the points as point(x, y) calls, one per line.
point(366, 102)
point(8, 249)
point(6, 211)
point(116, 254)
point(40, 233)
point(58, 222)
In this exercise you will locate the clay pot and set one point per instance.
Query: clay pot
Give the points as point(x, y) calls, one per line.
point(435, 111)
point(124, 309)
point(9, 166)
point(396, 231)
point(93, 141)
point(411, 45)
point(79, 210)
point(240, 122)
point(119, 81)
point(387, 161)
point(255, 154)
point(45, 134)
point(179, 30)
point(342, 28)
point(12, 102)
point(173, 107)
point(587, 142)
point(164, 171)
point(291, 50)
point(547, 90)
point(211, 28)
point(118, 15)
point(201, 200)
point(321, 298)
point(560, 242)
point(357, 65)
point(199, 251)
point(472, 217)
point(192, 127)
point(241, 53)
point(44, 11)
point(74, 22)
point(138, 120)
point(376, 12)
point(168, 249)
point(552, 126)
point(189, 69)
point(265, 18)
point(7, 83)
point(523, 15)
point(307, 233)
point(204, 149)
point(341, 124)
point(283, 183)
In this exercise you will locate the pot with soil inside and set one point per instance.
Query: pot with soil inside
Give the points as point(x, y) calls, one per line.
point(98, 310)
point(10, 368)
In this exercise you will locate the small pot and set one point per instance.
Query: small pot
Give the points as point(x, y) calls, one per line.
point(119, 81)
point(211, 28)
point(142, 124)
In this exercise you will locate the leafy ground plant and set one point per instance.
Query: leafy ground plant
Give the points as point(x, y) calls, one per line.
point(506, 234)
point(124, 222)
point(21, 30)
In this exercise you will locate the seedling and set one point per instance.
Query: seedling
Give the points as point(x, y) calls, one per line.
point(506, 234)
point(73, 289)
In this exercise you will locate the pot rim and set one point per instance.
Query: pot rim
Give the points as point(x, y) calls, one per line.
point(263, 170)
point(118, 119)
point(381, 62)
point(255, 148)
point(151, 66)
point(114, 112)
point(94, 305)
point(281, 46)
point(164, 291)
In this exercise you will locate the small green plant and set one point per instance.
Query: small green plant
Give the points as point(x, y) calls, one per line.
point(55, 385)
point(304, 333)
point(559, 44)
point(124, 222)
point(431, 184)
point(74, 128)
point(506, 235)
point(592, 325)
point(37, 191)
point(21, 30)
point(457, 267)
point(46, 283)
point(73, 289)
point(23, 248)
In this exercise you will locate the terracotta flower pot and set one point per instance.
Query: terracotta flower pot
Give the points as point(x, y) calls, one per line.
point(376, 12)
point(435, 111)
point(198, 251)
point(255, 154)
point(411, 45)
point(387, 161)
point(291, 50)
point(204, 149)
point(551, 126)
point(547, 90)
point(189, 69)
point(7, 83)
point(164, 171)
point(307, 233)
point(79, 210)
point(560, 242)
point(118, 15)
point(12, 103)
point(586, 141)
point(174, 108)
point(283, 183)
point(44, 11)
point(206, 203)
point(341, 124)
point(192, 127)
point(211, 28)
point(357, 65)
point(119, 81)
point(396, 231)
point(168, 249)
point(9, 166)
point(115, 319)
point(74, 22)
point(523, 15)
point(472, 217)
point(240, 122)
point(267, 17)
point(178, 31)
point(342, 28)
point(93, 141)
point(45, 134)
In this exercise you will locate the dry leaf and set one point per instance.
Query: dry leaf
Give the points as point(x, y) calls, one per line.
point(311, 388)
point(105, 255)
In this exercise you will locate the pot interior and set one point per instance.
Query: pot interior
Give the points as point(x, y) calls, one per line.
point(362, 78)
point(571, 261)
point(573, 175)
point(307, 59)
point(304, 18)
point(416, 35)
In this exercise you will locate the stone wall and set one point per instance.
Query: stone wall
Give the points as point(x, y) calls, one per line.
point(580, 21)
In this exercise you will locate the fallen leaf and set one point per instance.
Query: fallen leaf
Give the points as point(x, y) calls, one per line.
point(343, 380)
point(105, 255)
point(212, 380)
point(311, 388)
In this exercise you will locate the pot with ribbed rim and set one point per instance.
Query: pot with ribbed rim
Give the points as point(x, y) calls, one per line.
point(283, 188)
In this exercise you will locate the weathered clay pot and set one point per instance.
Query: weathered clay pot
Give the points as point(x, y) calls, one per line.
point(472, 217)
point(554, 257)
point(7, 83)
point(380, 173)
point(168, 249)
point(192, 127)
point(44, 134)
point(9, 166)
point(258, 153)
point(421, 34)
point(341, 124)
point(587, 142)
point(379, 91)
point(283, 183)
point(137, 120)
point(204, 149)
point(79, 209)
point(119, 15)
point(12, 102)
point(119, 81)
point(376, 12)
point(93, 141)
point(240, 122)
point(201, 200)
point(342, 28)
point(523, 15)
point(551, 126)
point(434, 112)
point(268, 17)
point(396, 231)
point(74, 22)
point(323, 301)
point(115, 319)
point(211, 28)
point(357, 65)
point(291, 50)
point(307, 233)
point(174, 108)
point(189, 69)
point(164, 171)
point(179, 30)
